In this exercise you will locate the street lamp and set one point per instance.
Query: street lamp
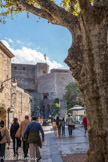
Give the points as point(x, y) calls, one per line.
point(14, 83)
point(10, 114)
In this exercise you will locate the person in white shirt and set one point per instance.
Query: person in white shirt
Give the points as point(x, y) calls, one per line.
point(69, 123)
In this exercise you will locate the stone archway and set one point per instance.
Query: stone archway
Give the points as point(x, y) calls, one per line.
point(3, 114)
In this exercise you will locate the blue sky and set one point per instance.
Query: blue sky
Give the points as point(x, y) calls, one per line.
point(29, 40)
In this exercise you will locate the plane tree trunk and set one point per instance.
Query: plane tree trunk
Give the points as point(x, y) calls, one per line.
point(88, 61)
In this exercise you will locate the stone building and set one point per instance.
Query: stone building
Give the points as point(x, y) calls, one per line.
point(44, 87)
point(20, 102)
point(5, 73)
point(13, 100)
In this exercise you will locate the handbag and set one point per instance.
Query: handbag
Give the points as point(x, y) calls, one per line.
point(26, 136)
point(18, 142)
point(1, 137)
point(73, 126)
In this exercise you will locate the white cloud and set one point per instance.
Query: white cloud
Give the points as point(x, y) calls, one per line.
point(5, 43)
point(29, 56)
point(10, 40)
point(19, 42)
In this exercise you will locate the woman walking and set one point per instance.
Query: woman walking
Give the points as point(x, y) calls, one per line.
point(13, 130)
point(59, 124)
point(54, 127)
point(4, 138)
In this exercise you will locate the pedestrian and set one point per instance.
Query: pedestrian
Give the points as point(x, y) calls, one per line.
point(20, 134)
point(54, 127)
point(85, 125)
point(41, 120)
point(13, 130)
point(69, 123)
point(33, 129)
point(63, 127)
point(4, 138)
point(59, 124)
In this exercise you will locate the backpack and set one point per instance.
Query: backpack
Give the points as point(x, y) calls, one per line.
point(1, 137)
point(59, 123)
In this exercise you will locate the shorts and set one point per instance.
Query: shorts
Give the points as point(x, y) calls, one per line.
point(85, 127)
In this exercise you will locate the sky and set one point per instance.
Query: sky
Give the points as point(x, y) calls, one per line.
point(29, 40)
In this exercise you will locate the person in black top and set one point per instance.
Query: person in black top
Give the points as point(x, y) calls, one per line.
point(13, 130)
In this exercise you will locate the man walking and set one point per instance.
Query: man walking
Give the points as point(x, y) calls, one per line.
point(69, 123)
point(4, 138)
point(34, 140)
point(20, 134)
point(85, 125)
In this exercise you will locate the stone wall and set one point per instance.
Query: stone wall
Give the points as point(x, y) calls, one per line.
point(63, 78)
point(47, 84)
point(41, 69)
point(36, 99)
point(5, 73)
point(20, 103)
point(54, 83)
point(25, 75)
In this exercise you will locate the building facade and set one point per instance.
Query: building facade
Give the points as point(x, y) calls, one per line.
point(14, 102)
point(5, 87)
point(44, 87)
point(20, 103)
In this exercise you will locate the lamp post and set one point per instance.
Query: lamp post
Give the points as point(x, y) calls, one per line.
point(13, 101)
point(10, 115)
point(38, 111)
point(14, 81)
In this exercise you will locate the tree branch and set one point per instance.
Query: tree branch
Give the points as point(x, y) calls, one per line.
point(85, 5)
point(60, 14)
point(75, 53)
point(72, 4)
point(36, 11)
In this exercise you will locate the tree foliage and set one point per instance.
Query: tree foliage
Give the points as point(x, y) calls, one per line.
point(9, 8)
point(56, 107)
point(73, 95)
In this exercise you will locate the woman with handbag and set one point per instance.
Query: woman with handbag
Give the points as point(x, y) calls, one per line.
point(20, 134)
point(59, 124)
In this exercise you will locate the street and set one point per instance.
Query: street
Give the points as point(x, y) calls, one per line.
point(54, 148)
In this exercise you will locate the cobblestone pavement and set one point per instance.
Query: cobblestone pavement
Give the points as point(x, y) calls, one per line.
point(80, 157)
point(55, 148)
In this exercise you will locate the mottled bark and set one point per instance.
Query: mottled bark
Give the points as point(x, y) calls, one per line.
point(93, 79)
point(88, 61)
point(100, 3)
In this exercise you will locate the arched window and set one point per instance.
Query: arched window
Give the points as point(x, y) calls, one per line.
point(44, 71)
